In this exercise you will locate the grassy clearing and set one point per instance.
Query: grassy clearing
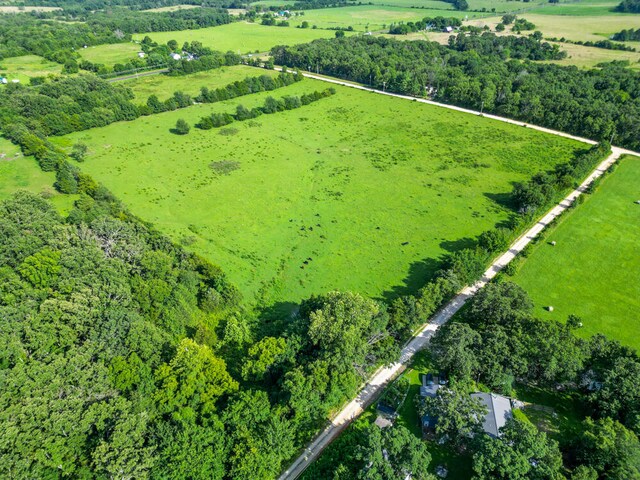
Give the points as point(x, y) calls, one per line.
point(28, 66)
point(23, 9)
point(588, 57)
point(23, 173)
point(241, 37)
point(172, 8)
point(376, 17)
point(359, 183)
point(164, 86)
point(594, 270)
point(110, 54)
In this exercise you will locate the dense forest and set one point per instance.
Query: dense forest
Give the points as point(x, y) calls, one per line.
point(497, 342)
point(487, 72)
point(25, 34)
point(138, 22)
point(629, 6)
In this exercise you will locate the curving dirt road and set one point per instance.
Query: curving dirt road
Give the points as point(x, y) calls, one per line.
point(383, 376)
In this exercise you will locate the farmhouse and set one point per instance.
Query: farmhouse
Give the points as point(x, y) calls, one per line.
point(499, 411)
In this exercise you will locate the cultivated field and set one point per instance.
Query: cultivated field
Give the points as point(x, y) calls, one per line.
point(110, 54)
point(18, 172)
point(28, 66)
point(241, 37)
point(355, 192)
point(594, 269)
point(164, 86)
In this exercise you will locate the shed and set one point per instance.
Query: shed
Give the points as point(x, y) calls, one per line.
point(448, 29)
point(141, 54)
point(499, 411)
point(176, 56)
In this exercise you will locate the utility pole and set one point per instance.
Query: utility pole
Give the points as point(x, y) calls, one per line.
point(384, 85)
point(612, 135)
point(481, 107)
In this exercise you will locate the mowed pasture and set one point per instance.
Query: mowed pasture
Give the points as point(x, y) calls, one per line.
point(164, 85)
point(358, 191)
point(241, 37)
point(18, 172)
point(28, 66)
point(110, 54)
point(593, 271)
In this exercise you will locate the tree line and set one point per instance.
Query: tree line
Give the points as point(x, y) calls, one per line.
point(435, 23)
point(270, 106)
point(627, 35)
point(487, 72)
point(65, 105)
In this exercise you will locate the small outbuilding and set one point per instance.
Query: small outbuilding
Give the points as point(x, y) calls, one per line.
point(141, 54)
point(176, 56)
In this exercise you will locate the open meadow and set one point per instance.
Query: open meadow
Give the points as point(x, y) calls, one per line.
point(593, 271)
point(27, 66)
point(241, 37)
point(370, 17)
point(110, 54)
point(355, 192)
point(164, 85)
point(575, 28)
point(18, 172)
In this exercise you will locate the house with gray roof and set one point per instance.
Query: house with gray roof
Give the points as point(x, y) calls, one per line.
point(498, 412)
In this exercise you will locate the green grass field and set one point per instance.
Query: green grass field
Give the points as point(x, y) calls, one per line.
point(355, 192)
point(28, 66)
point(164, 86)
point(23, 173)
point(376, 17)
point(110, 54)
point(580, 8)
point(594, 269)
point(241, 37)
